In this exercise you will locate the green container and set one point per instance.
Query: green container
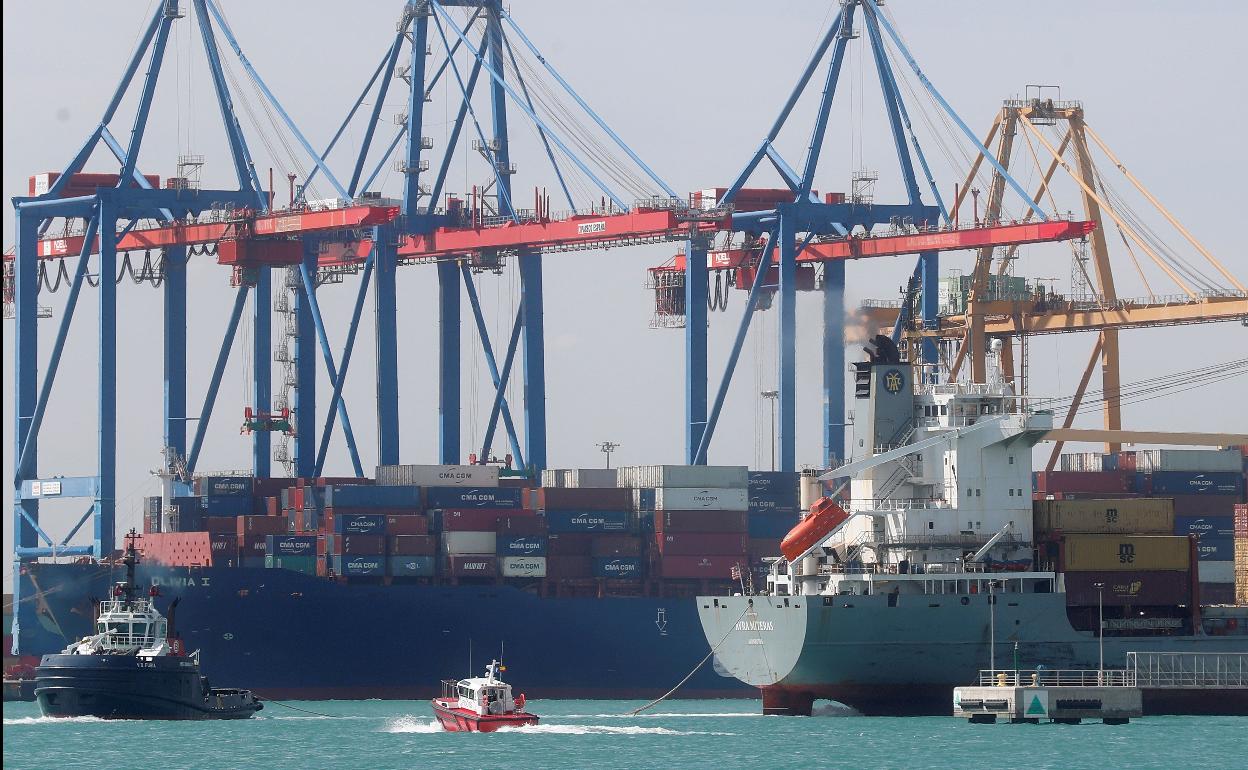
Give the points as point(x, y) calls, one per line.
point(304, 564)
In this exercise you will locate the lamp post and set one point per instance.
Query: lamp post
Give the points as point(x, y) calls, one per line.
point(772, 396)
point(607, 448)
point(1100, 632)
point(992, 627)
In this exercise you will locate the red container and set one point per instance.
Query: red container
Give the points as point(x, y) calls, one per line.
point(252, 545)
point(711, 567)
point(272, 506)
point(615, 545)
point(472, 519)
point(271, 487)
point(261, 525)
point(698, 543)
point(569, 567)
point(221, 525)
point(569, 544)
point(360, 545)
point(1136, 589)
point(333, 481)
point(411, 545)
point(758, 549)
point(1057, 482)
point(700, 521)
point(1126, 461)
point(1204, 505)
point(415, 524)
point(581, 499)
point(522, 524)
point(471, 566)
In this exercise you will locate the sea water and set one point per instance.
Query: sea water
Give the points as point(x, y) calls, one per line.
point(718, 735)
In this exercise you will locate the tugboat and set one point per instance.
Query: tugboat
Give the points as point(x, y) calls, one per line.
point(480, 704)
point(134, 667)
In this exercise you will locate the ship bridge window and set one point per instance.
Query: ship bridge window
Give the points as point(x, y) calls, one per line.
point(1011, 491)
point(931, 525)
point(944, 410)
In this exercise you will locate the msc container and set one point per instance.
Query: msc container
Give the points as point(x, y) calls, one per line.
point(477, 565)
point(224, 486)
point(472, 497)
point(617, 567)
point(1058, 482)
point(700, 521)
point(438, 475)
point(1204, 505)
point(356, 566)
point(225, 505)
point(1104, 553)
point(1196, 483)
point(1217, 572)
point(521, 545)
point(569, 566)
point(411, 565)
point(470, 520)
point(358, 545)
point(569, 544)
point(587, 521)
point(413, 524)
point(615, 545)
point(694, 476)
point(769, 526)
point(1139, 516)
point(304, 564)
point(569, 499)
point(373, 496)
point(356, 523)
point(411, 545)
point(289, 545)
point(698, 543)
point(1153, 588)
point(1205, 526)
point(525, 524)
point(706, 498)
point(523, 566)
point(469, 542)
point(1191, 460)
point(712, 567)
point(1212, 548)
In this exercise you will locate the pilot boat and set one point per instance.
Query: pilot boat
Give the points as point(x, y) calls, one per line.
point(480, 704)
point(133, 667)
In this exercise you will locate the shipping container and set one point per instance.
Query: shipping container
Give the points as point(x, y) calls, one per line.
point(1194, 483)
point(438, 475)
point(521, 545)
point(552, 477)
point(710, 566)
point(760, 548)
point(1087, 462)
point(698, 543)
point(225, 505)
point(587, 521)
point(475, 565)
point(1205, 526)
point(643, 499)
point(411, 565)
point(1104, 553)
point(1204, 505)
point(1059, 482)
point(569, 566)
point(774, 483)
point(357, 545)
point(411, 545)
point(355, 523)
point(251, 562)
point(469, 520)
point(522, 524)
point(469, 542)
point(1153, 588)
point(580, 499)
point(580, 478)
point(768, 526)
point(618, 567)
point(460, 497)
point(304, 564)
point(1190, 460)
point(700, 521)
point(412, 524)
point(1213, 548)
point(771, 505)
point(224, 550)
point(225, 486)
point(615, 545)
point(522, 566)
point(1217, 572)
point(707, 498)
point(359, 566)
point(260, 525)
point(693, 476)
point(152, 504)
point(569, 544)
point(1217, 593)
point(289, 545)
point(1140, 516)
point(373, 496)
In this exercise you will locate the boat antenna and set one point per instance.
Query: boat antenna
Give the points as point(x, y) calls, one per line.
point(470, 656)
point(130, 560)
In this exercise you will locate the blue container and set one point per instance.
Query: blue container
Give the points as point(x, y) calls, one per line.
point(358, 565)
point(411, 566)
point(617, 567)
point(1194, 483)
point(1205, 526)
point(1210, 548)
point(252, 562)
point(587, 521)
point(645, 499)
point(771, 525)
point(774, 501)
point(522, 545)
point(225, 486)
point(775, 483)
point(225, 505)
point(372, 497)
point(360, 523)
point(290, 545)
point(473, 497)
point(1109, 462)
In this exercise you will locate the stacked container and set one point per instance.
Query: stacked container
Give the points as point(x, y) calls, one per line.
point(774, 508)
point(1133, 570)
point(590, 531)
point(292, 552)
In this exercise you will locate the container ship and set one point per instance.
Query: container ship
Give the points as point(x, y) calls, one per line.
point(950, 556)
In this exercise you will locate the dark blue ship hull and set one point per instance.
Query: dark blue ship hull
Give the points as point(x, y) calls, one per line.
point(290, 635)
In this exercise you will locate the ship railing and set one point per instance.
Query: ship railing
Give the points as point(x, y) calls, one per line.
point(1046, 677)
point(1190, 669)
point(127, 641)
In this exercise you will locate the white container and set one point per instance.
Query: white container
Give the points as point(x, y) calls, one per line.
point(459, 543)
point(712, 499)
point(552, 478)
point(1193, 460)
point(688, 476)
point(438, 475)
point(591, 478)
point(523, 566)
point(1217, 572)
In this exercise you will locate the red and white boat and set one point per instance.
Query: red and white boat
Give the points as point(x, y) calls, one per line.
point(480, 704)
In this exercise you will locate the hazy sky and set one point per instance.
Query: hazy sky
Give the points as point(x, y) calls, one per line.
point(692, 87)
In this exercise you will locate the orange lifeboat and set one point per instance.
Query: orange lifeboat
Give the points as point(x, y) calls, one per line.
point(825, 516)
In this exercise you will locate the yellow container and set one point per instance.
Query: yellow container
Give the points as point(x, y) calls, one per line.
point(1136, 516)
point(1127, 552)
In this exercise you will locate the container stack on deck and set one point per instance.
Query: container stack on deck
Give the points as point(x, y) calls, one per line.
point(1204, 486)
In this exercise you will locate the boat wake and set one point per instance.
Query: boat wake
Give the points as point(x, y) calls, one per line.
point(411, 724)
point(54, 720)
point(666, 715)
point(601, 730)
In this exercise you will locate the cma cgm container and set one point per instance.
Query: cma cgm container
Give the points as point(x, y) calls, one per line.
point(774, 483)
point(521, 545)
point(1205, 526)
point(771, 526)
point(438, 475)
point(523, 566)
point(359, 566)
point(1108, 553)
point(225, 486)
point(617, 567)
point(700, 521)
point(1210, 548)
point(289, 545)
point(460, 497)
point(373, 496)
point(1139, 588)
point(355, 523)
point(587, 521)
point(1140, 516)
point(705, 498)
point(1190, 483)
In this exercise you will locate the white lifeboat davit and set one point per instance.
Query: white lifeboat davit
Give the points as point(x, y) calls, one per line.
point(825, 518)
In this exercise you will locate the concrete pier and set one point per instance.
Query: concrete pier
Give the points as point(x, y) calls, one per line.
point(1062, 697)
